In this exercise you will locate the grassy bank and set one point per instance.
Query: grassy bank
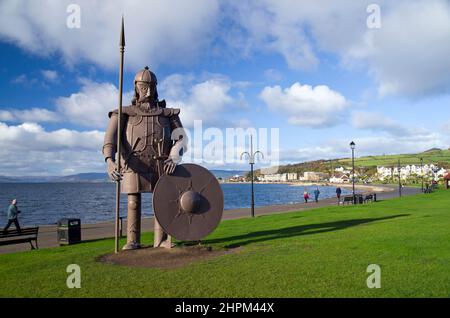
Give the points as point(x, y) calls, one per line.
point(440, 157)
point(316, 253)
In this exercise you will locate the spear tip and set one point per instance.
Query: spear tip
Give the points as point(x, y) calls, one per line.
point(122, 34)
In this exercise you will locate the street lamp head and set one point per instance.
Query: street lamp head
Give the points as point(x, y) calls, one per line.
point(352, 145)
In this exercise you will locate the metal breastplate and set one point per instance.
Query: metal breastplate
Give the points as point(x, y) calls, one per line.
point(147, 139)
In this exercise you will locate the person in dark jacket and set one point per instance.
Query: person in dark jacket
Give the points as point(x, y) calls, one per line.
point(316, 194)
point(13, 212)
point(338, 194)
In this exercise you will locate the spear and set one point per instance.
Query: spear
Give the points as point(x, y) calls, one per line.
point(119, 135)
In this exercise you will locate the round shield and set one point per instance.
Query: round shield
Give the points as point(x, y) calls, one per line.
point(189, 203)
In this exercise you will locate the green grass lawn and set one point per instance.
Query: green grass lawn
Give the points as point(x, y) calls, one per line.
point(317, 253)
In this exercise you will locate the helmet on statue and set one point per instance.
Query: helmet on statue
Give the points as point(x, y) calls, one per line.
point(145, 86)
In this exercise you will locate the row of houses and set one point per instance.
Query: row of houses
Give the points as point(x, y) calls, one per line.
point(385, 173)
point(344, 175)
point(408, 171)
point(294, 176)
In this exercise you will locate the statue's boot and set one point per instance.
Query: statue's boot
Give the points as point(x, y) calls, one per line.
point(133, 222)
point(161, 238)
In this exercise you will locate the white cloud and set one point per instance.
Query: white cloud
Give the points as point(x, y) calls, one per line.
point(408, 55)
point(90, 106)
point(378, 145)
point(20, 79)
point(296, 29)
point(366, 146)
point(273, 75)
point(29, 149)
point(445, 128)
point(208, 100)
point(71, 150)
point(29, 115)
point(160, 31)
point(306, 105)
point(50, 75)
point(34, 137)
point(379, 122)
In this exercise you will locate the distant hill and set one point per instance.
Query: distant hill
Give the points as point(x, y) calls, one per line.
point(434, 155)
point(94, 177)
point(369, 163)
point(28, 179)
point(6, 179)
point(225, 174)
point(84, 177)
point(432, 150)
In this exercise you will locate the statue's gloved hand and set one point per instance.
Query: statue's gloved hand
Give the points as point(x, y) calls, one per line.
point(176, 152)
point(113, 172)
point(169, 166)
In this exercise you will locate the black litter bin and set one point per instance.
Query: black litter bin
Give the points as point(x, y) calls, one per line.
point(360, 199)
point(69, 231)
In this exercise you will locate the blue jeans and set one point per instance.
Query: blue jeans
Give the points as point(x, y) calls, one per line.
point(16, 223)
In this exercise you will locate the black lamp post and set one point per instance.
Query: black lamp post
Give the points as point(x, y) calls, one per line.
point(421, 171)
point(399, 180)
point(251, 159)
point(352, 146)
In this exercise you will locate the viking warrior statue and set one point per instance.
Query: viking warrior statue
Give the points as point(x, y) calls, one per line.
point(152, 145)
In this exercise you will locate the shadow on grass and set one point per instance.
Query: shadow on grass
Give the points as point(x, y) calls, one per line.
point(307, 229)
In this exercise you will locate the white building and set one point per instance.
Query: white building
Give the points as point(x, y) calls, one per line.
point(343, 178)
point(407, 171)
point(276, 177)
point(314, 176)
point(342, 170)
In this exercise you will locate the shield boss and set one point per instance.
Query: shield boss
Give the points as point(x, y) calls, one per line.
point(189, 203)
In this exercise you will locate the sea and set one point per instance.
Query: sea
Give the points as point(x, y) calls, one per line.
point(46, 203)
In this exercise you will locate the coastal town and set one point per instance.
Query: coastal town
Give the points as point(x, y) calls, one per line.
point(409, 174)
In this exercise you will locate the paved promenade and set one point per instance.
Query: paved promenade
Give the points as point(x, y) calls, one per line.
point(47, 233)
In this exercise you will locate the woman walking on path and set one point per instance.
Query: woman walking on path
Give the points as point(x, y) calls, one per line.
point(13, 212)
point(316, 194)
point(306, 196)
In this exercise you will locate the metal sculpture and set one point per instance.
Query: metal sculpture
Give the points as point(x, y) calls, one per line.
point(148, 140)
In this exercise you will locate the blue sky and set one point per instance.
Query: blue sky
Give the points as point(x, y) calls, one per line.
point(314, 70)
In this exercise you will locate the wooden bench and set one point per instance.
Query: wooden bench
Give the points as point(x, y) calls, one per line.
point(348, 200)
point(431, 188)
point(26, 235)
point(368, 198)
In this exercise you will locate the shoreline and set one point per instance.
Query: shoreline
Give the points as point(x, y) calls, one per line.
point(369, 187)
point(105, 229)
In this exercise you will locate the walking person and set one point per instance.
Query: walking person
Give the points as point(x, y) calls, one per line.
point(306, 196)
point(338, 194)
point(13, 212)
point(316, 194)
